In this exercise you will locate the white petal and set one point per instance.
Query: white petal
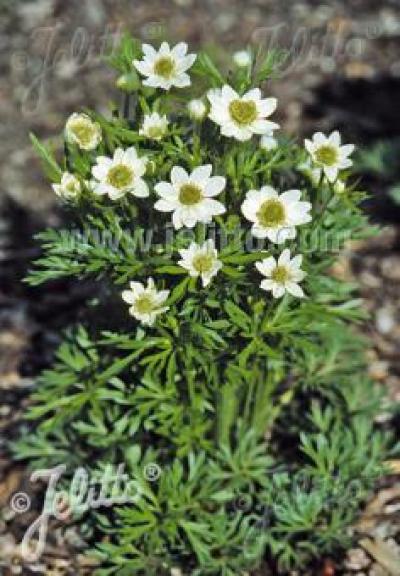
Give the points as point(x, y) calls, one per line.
point(149, 51)
point(119, 156)
point(181, 81)
point(296, 262)
point(166, 190)
point(179, 50)
point(280, 235)
point(189, 217)
point(101, 189)
point(177, 219)
point(267, 106)
point(130, 154)
point(284, 258)
point(228, 93)
point(347, 149)
point(263, 126)
point(164, 206)
point(143, 67)
point(164, 49)
point(214, 207)
point(128, 296)
point(267, 284)
point(320, 139)
point(345, 163)
point(331, 172)
point(278, 290)
point(214, 186)
point(115, 194)
point(186, 62)
point(309, 146)
point(267, 192)
point(201, 173)
point(100, 171)
point(335, 139)
point(259, 232)
point(157, 82)
point(136, 287)
point(266, 266)
point(140, 189)
point(290, 196)
point(294, 289)
point(254, 94)
point(178, 176)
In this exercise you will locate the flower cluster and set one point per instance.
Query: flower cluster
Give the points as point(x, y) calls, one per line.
point(197, 197)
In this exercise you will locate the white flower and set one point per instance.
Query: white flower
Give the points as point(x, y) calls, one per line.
point(167, 67)
point(283, 275)
point(328, 154)
point(69, 187)
point(146, 302)
point(191, 196)
point(80, 129)
point(268, 141)
point(120, 175)
point(241, 116)
point(275, 216)
point(197, 109)
point(201, 261)
point(154, 126)
point(242, 58)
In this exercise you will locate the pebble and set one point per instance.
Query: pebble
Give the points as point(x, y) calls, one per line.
point(384, 320)
point(357, 559)
point(379, 370)
point(391, 267)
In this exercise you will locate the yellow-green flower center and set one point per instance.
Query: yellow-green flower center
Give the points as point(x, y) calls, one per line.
point(271, 213)
point(72, 186)
point(243, 112)
point(189, 194)
point(155, 132)
point(164, 67)
point(281, 274)
point(120, 176)
point(203, 263)
point(144, 304)
point(83, 131)
point(326, 155)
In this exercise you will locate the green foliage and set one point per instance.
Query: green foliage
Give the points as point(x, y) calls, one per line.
point(381, 160)
point(256, 411)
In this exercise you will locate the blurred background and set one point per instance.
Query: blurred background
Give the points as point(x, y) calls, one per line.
point(342, 72)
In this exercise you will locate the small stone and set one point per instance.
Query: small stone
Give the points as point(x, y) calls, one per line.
point(370, 280)
point(391, 268)
point(384, 320)
point(379, 370)
point(357, 559)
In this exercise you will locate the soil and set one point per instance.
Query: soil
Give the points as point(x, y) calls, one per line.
point(343, 71)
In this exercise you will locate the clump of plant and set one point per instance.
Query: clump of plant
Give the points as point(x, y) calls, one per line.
point(219, 350)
